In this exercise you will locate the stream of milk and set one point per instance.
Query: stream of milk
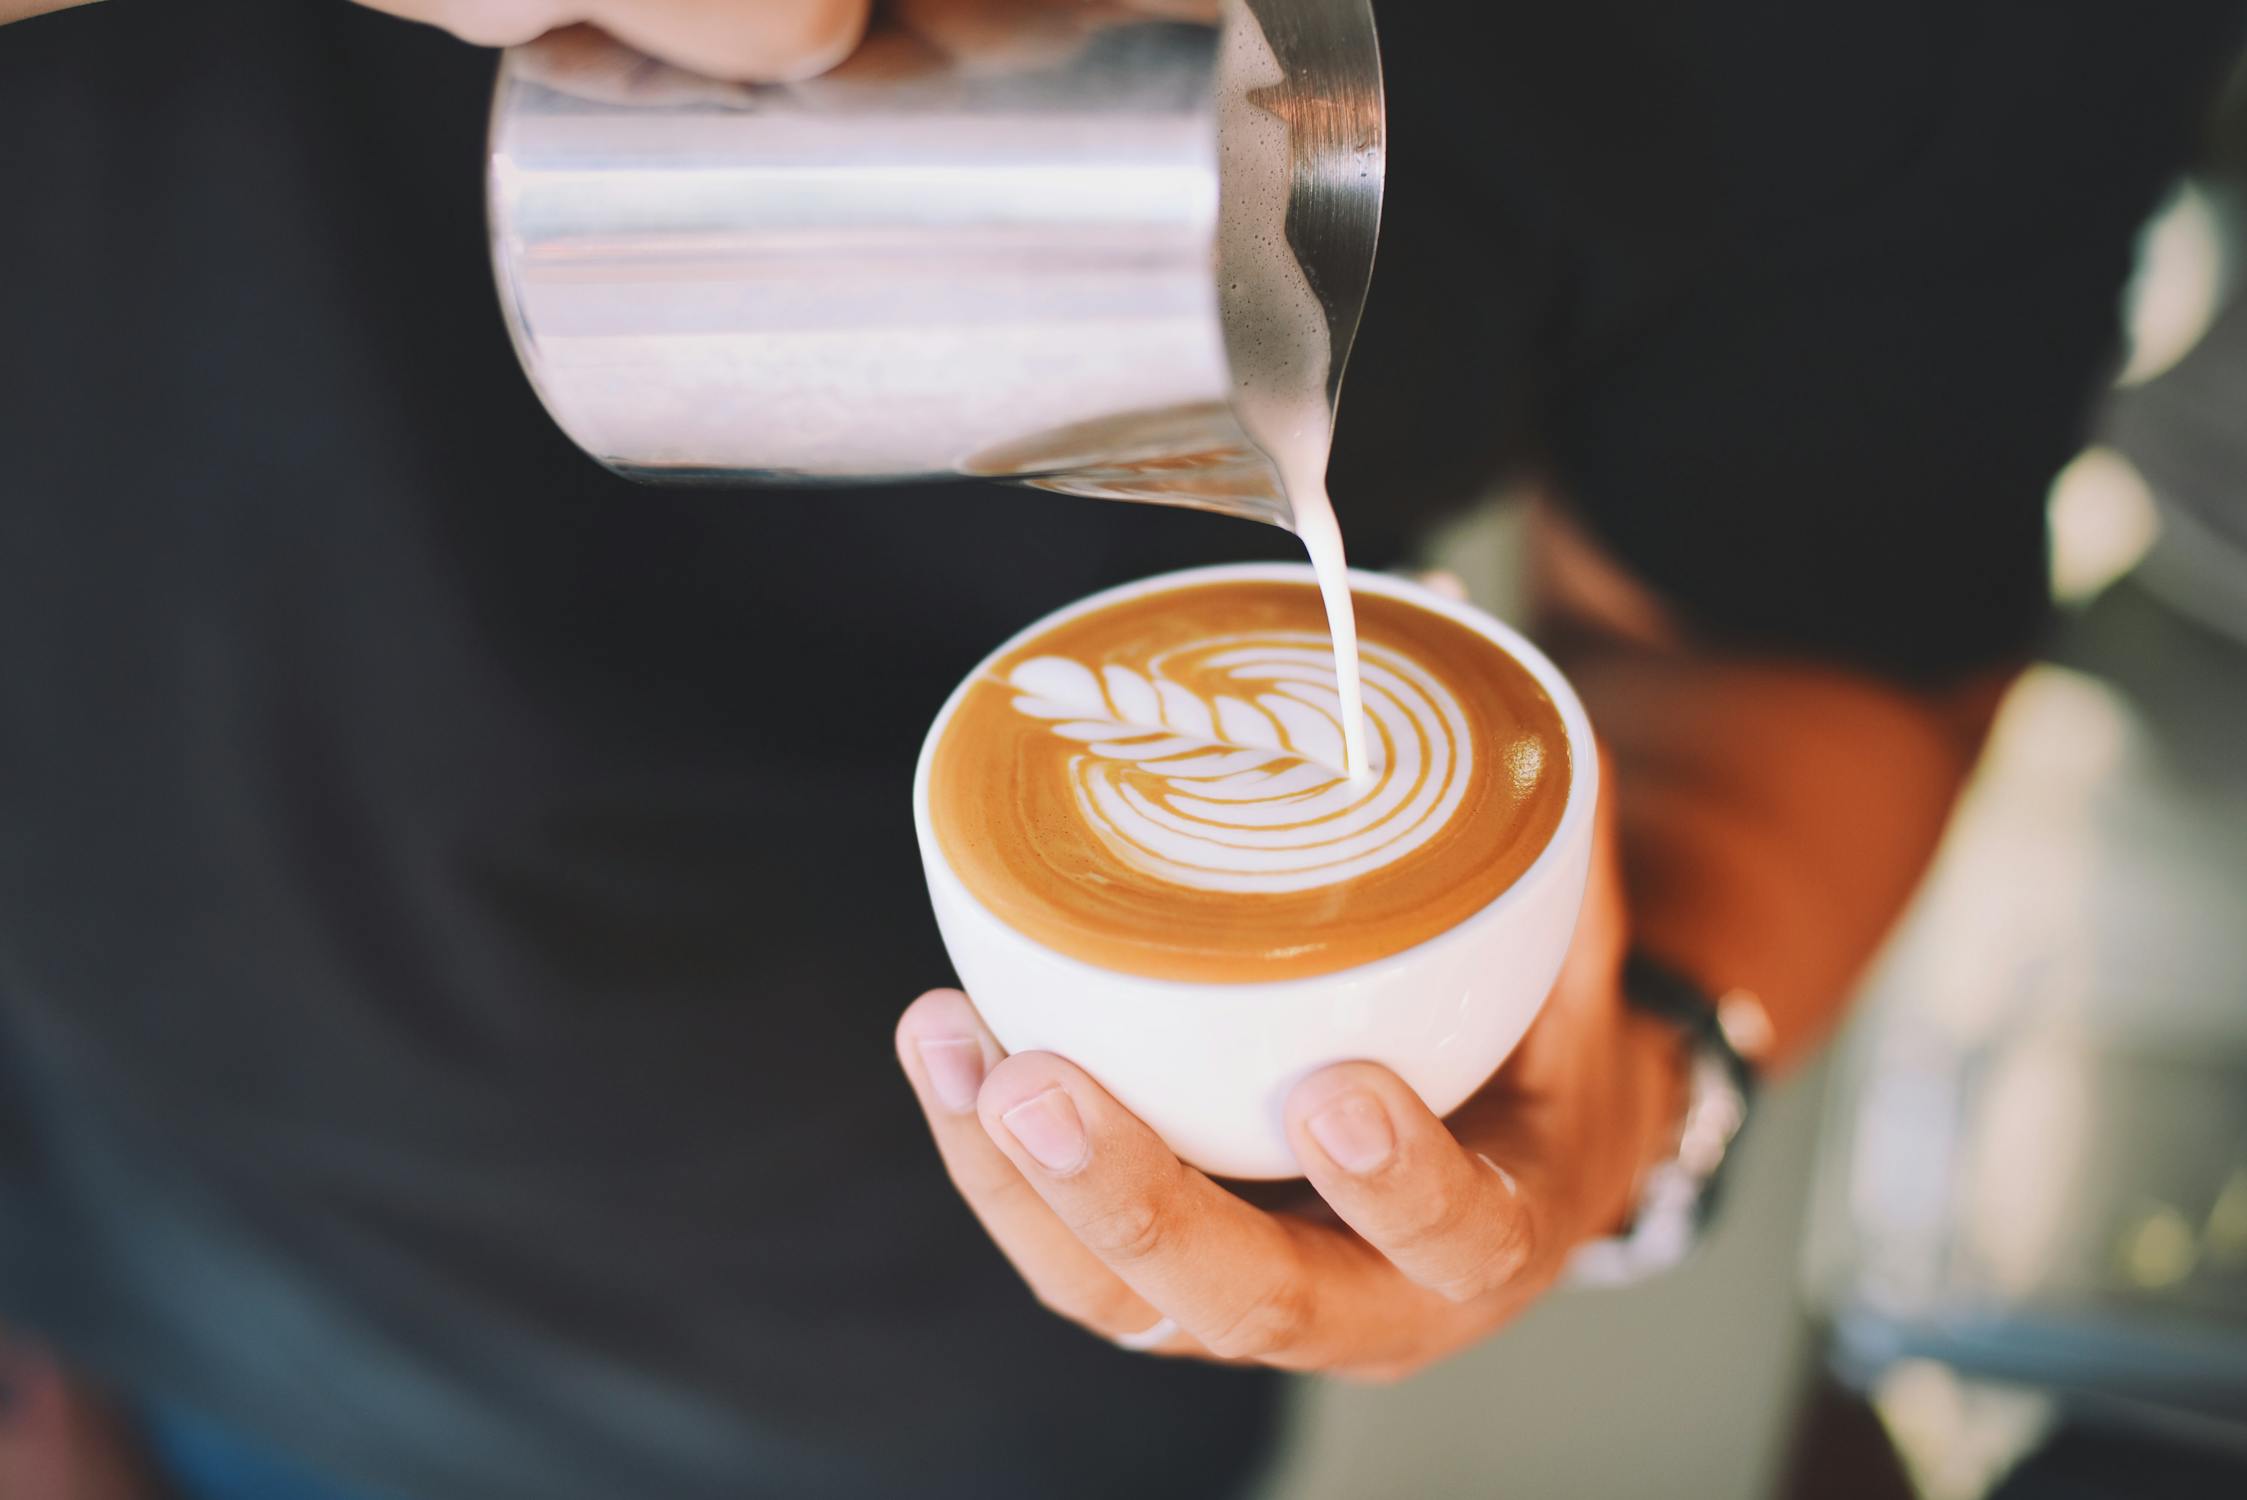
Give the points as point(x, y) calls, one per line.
point(1276, 338)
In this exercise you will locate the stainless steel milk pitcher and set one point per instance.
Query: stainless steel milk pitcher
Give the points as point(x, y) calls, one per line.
point(998, 261)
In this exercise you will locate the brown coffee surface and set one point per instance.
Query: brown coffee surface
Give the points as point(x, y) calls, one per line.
point(1156, 787)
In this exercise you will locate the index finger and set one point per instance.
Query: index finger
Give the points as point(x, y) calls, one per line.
point(946, 1050)
point(1246, 1284)
point(1450, 1219)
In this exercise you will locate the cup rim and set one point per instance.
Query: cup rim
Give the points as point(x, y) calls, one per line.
point(1575, 819)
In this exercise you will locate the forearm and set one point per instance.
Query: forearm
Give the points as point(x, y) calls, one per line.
point(1775, 816)
point(18, 10)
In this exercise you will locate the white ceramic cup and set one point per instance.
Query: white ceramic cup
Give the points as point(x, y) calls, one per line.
point(1209, 1066)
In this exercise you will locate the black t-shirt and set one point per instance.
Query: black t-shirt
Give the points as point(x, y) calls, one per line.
point(444, 1010)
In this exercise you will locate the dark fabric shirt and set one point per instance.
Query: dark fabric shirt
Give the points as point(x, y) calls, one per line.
point(444, 1006)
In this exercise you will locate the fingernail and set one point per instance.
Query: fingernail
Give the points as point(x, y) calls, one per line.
point(1047, 1126)
point(1354, 1131)
point(954, 1065)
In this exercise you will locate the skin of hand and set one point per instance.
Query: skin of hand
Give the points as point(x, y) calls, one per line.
point(21, 10)
point(715, 45)
point(1765, 821)
point(749, 40)
point(59, 1439)
point(912, 37)
point(1416, 1238)
point(785, 41)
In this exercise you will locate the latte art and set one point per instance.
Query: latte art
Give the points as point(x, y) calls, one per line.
point(1243, 790)
point(1157, 785)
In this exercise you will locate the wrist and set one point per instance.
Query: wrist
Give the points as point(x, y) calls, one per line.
point(1712, 1070)
point(1664, 1063)
point(1656, 1061)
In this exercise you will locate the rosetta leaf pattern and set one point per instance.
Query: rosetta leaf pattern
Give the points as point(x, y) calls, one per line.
point(1123, 714)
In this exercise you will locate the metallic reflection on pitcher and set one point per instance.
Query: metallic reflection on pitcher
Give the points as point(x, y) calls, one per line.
point(999, 266)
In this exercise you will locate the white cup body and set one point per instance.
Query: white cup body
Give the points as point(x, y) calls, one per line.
point(1209, 1066)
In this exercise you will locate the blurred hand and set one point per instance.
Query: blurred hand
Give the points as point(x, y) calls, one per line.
point(60, 1440)
point(773, 41)
point(1446, 1229)
point(17, 10)
point(751, 40)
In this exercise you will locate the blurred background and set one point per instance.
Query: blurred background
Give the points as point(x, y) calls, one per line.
point(1996, 1239)
point(2014, 1197)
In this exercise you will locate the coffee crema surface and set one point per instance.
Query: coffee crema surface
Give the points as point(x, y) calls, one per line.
point(1157, 786)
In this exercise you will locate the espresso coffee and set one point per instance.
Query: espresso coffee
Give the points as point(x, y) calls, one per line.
point(1158, 786)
